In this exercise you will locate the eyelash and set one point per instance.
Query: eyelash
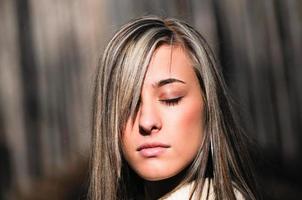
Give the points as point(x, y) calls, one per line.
point(171, 102)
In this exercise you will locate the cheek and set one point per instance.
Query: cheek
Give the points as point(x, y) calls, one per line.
point(189, 116)
point(192, 116)
point(187, 128)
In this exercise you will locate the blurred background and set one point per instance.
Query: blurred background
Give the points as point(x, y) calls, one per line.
point(48, 54)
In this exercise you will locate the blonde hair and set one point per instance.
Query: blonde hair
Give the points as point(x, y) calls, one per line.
point(118, 84)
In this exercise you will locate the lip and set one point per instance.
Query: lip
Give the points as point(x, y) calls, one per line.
point(149, 150)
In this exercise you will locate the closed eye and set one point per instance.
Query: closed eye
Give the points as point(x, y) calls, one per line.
point(171, 102)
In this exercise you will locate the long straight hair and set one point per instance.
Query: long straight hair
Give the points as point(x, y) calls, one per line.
point(223, 155)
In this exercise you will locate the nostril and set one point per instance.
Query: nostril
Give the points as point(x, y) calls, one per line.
point(143, 131)
point(146, 130)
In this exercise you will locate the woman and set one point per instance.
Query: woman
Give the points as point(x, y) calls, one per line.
point(163, 124)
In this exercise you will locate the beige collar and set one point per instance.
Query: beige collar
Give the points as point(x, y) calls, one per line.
point(184, 193)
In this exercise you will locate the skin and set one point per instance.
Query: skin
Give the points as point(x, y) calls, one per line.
point(170, 113)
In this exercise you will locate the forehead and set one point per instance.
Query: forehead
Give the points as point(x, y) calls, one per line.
point(169, 62)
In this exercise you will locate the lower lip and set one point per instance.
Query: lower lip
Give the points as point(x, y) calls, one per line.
point(152, 152)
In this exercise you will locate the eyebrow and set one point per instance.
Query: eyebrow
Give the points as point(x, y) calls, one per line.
point(168, 81)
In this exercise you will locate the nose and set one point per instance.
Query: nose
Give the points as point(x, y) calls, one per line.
point(149, 119)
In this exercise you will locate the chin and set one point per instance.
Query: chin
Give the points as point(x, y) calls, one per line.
point(156, 174)
point(153, 178)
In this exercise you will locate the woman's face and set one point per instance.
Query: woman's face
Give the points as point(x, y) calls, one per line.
point(167, 131)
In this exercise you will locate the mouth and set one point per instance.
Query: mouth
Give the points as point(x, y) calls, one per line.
point(150, 150)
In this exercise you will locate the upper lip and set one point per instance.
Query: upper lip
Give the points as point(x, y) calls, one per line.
point(152, 145)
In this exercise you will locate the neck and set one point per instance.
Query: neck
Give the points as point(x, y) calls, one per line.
point(157, 189)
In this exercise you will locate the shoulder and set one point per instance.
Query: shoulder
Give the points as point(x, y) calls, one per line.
point(181, 193)
point(238, 195)
point(184, 192)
